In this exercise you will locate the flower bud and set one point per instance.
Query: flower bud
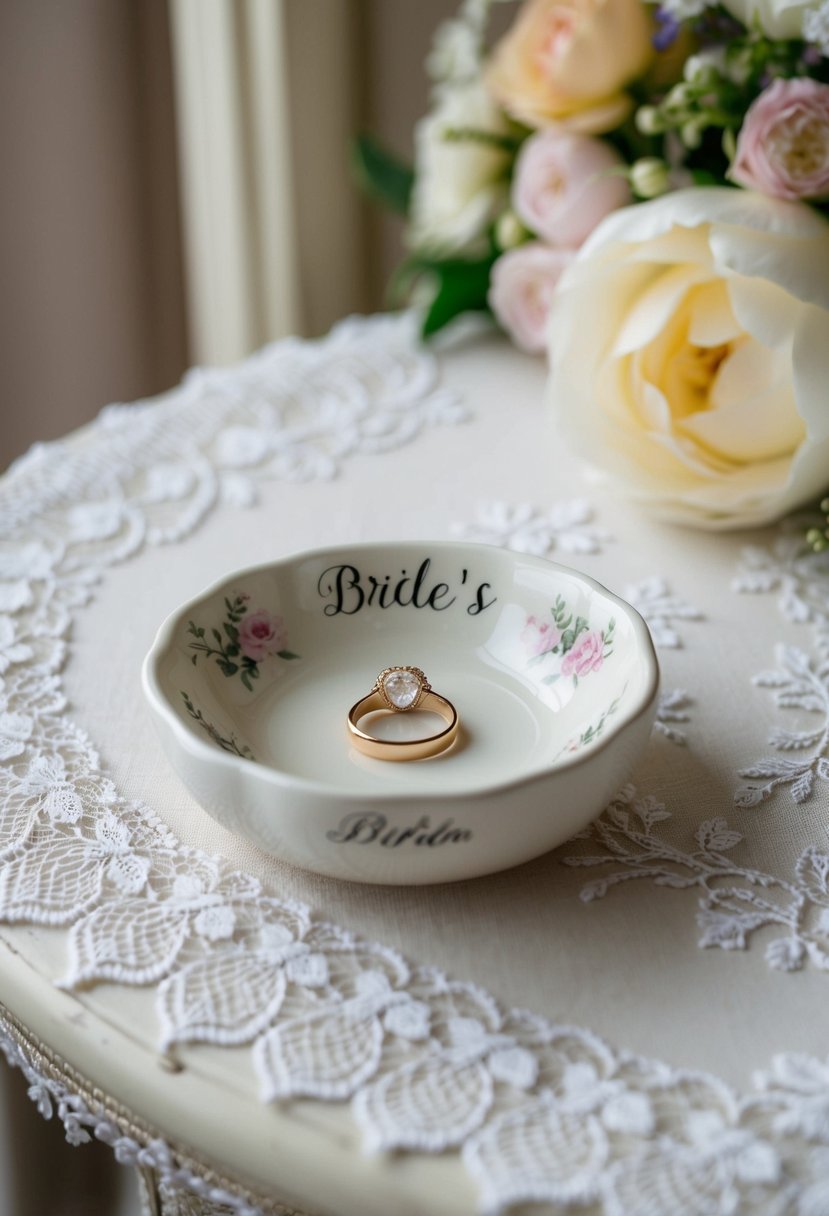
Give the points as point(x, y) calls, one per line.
point(649, 177)
point(691, 134)
point(509, 231)
point(678, 98)
point(649, 120)
point(706, 68)
point(729, 143)
point(694, 69)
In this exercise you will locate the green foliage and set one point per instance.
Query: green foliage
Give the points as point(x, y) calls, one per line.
point(567, 627)
point(381, 174)
point(459, 285)
point(704, 177)
point(462, 286)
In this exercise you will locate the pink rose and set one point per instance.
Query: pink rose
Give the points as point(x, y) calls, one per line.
point(539, 636)
point(587, 655)
point(261, 634)
point(783, 145)
point(564, 184)
point(521, 290)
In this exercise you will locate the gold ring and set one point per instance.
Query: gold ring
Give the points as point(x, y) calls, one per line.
point(399, 690)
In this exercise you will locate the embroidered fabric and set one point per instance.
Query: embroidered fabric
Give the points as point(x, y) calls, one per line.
point(538, 1112)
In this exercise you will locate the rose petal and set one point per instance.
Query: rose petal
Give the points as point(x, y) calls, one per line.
point(729, 209)
point(761, 428)
point(713, 322)
point(765, 310)
point(655, 306)
point(748, 372)
point(799, 267)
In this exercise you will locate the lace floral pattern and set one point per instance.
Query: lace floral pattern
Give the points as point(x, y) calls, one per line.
point(798, 683)
point(672, 712)
point(653, 598)
point(538, 1111)
point(737, 900)
point(798, 575)
point(800, 578)
point(567, 527)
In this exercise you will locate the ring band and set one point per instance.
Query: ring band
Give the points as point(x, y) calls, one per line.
point(399, 690)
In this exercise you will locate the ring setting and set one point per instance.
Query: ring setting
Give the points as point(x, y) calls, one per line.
point(400, 690)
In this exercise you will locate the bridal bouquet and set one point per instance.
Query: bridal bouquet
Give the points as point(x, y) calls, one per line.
point(642, 190)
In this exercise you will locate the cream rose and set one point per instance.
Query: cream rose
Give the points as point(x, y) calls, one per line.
point(460, 184)
point(568, 61)
point(776, 18)
point(700, 382)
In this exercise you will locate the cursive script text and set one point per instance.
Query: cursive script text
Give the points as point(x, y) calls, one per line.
point(373, 828)
point(347, 591)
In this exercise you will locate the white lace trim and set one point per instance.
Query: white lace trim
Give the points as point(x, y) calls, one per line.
point(82, 1123)
point(540, 1111)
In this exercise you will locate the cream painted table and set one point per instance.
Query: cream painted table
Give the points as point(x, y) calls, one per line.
point(634, 1025)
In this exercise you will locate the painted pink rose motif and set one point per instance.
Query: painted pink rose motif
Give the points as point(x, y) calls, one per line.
point(243, 641)
point(539, 636)
point(569, 635)
point(261, 634)
point(586, 655)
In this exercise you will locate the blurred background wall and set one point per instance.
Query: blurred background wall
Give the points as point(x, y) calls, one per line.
point(176, 186)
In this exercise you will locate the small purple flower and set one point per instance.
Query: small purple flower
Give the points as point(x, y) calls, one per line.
point(668, 30)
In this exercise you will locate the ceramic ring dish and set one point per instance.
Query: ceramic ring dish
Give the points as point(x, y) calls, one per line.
point(554, 678)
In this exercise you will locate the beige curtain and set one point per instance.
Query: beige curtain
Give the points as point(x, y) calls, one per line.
point(269, 94)
point(92, 301)
point(266, 104)
point(176, 186)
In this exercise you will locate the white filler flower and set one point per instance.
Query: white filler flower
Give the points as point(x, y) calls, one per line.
point(776, 18)
point(460, 183)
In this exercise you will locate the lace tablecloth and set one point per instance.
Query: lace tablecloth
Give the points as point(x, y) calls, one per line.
point(634, 1025)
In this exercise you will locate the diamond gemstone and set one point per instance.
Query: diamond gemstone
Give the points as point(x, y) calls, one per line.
point(402, 688)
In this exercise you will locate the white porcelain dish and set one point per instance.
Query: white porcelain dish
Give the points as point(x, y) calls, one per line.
point(554, 678)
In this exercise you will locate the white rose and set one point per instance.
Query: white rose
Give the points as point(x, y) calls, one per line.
point(460, 185)
point(700, 381)
point(777, 18)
